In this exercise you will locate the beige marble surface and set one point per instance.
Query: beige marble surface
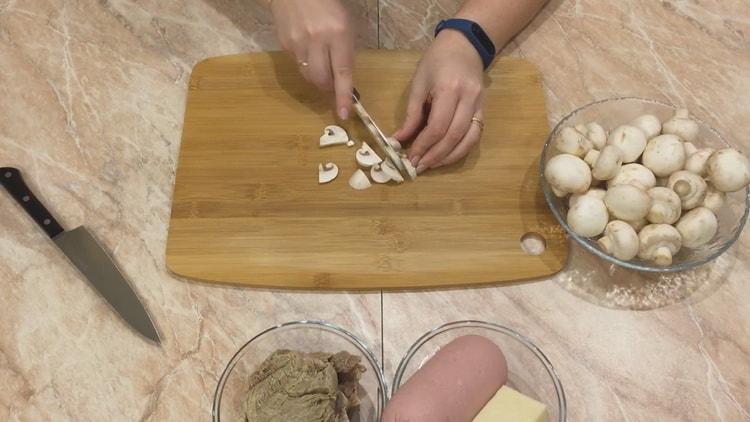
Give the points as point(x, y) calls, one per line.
point(92, 101)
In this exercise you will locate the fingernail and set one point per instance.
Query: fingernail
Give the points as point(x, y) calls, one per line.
point(415, 161)
point(420, 169)
point(343, 113)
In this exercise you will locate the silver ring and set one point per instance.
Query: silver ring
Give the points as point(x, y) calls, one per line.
point(303, 63)
point(479, 122)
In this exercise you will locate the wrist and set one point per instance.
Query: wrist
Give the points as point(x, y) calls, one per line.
point(459, 46)
point(474, 34)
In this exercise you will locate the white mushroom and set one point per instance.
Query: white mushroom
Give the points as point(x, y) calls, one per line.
point(409, 168)
point(620, 240)
point(366, 156)
point(333, 135)
point(608, 163)
point(359, 180)
point(664, 155)
point(714, 199)
point(630, 140)
point(595, 192)
point(697, 227)
point(350, 143)
point(389, 168)
point(394, 143)
point(728, 170)
point(681, 125)
point(588, 216)
point(666, 206)
point(696, 162)
point(571, 141)
point(649, 124)
point(690, 149)
point(638, 225)
point(690, 187)
point(659, 243)
point(591, 157)
point(568, 174)
point(627, 202)
point(633, 174)
point(596, 134)
point(327, 172)
point(378, 175)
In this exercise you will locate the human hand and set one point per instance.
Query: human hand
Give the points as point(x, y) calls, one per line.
point(318, 35)
point(446, 93)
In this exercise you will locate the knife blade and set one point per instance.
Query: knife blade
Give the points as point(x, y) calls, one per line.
point(377, 134)
point(85, 253)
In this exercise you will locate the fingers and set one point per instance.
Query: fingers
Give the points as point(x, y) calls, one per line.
point(464, 146)
point(455, 133)
point(342, 63)
point(441, 114)
point(319, 66)
point(414, 111)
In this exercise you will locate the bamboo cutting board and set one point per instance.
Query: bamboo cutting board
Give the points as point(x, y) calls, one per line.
point(248, 209)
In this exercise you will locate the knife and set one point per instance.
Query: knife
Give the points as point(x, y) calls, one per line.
point(86, 254)
point(377, 134)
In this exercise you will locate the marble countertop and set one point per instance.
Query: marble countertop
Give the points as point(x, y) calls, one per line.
point(93, 94)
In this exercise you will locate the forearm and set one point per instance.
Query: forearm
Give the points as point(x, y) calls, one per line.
point(501, 19)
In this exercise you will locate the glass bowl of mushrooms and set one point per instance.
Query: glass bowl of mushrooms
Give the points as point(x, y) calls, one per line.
point(645, 185)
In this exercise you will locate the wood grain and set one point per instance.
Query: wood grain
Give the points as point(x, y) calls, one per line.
point(247, 207)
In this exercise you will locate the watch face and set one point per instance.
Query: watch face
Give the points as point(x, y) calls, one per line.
point(482, 37)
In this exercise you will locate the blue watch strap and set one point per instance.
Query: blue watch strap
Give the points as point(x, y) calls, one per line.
point(475, 34)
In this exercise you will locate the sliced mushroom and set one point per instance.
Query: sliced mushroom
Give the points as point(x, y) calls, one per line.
point(659, 243)
point(666, 206)
point(379, 175)
point(366, 156)
point(664, 155)
point(359, 180)
point(389, 168)
point(620, 240)
point(728, 170)
point(596, 134)
point(327, 172)
point(608, 164)
point(697, 227)
point(572, 141)
point(649, 124)
point(633, 174)
point(630, 140)
point(333, 135)
point(696, 163)
point(350, 143)
point(681, 125)
point(588, 216)
point(690, 187)
point(409, 168)
point(714, 199)
point(568, 174)
point(394, 143)
point(627, 202)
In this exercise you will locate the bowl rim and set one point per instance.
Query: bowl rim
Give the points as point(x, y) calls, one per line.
point(583, 241)
point(471, 323)
point(327, 326)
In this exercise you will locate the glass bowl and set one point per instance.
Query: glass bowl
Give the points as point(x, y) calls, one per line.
point(307, 336)
point(614, 112)
point(529, 370)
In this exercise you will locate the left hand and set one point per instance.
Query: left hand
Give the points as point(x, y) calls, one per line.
point(446, 93)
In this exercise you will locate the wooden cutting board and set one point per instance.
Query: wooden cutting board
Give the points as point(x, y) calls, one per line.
point(248, 208)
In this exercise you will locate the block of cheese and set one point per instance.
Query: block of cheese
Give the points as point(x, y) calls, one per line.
point(508, 405)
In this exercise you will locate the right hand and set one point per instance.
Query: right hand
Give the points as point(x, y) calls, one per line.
point(318, 35)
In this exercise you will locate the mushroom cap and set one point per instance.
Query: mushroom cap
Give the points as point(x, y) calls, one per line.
point(333, 135)
point(630, 140)
point(728, 170)
point(366, 156)
point(696, 162)
point(714, 199)
point(681, 125)
point(697, 227)
point(627, 202)
point(595, 192)
point(568, 173)
point(608, 163)
point(572, 141)
point(588, 216)
point(664, 155)
point(690, 149)
point(327, 172)
point(666, 206)
point(620, 240)
point(359, 180)
point(591, 157)
point(690, 187)
point(659, 243)
point(379, 175)
point(649, 124)
point(638, 225)
point(596, 134)
point(633, 174)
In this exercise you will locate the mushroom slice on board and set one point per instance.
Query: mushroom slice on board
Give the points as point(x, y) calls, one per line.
point(359, 180)
point(327, 172)
point(333, 135)
point(366, 156)
point(378, 174)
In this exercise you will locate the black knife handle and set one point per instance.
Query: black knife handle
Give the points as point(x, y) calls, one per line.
point(12, 181)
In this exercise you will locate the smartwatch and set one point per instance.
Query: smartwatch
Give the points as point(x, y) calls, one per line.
point(475, 34)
